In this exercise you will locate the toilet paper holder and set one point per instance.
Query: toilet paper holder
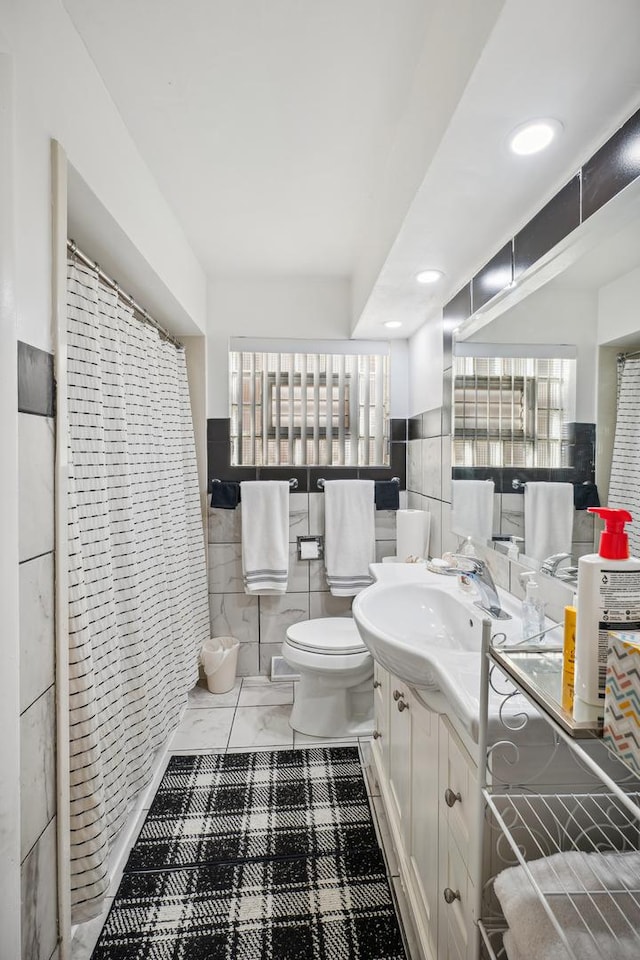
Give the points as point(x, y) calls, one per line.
point(310, 548)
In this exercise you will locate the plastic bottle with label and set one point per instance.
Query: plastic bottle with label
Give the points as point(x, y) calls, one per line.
point(608, 599)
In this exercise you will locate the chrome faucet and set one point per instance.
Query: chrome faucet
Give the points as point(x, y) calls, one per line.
point(551, 566)
point(478, 571)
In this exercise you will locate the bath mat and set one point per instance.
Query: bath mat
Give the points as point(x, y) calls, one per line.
point(247, 806)
point(283, 863)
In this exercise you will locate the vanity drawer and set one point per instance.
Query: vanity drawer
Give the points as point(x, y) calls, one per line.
point(458, 795)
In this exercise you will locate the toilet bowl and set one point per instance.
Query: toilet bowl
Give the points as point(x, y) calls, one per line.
point(334, 697)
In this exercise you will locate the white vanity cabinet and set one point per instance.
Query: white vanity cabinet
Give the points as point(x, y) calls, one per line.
point(427, 782)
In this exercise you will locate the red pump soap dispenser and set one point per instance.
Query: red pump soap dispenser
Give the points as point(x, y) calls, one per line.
point(608, 599)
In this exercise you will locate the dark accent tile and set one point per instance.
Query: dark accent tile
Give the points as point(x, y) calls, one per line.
point(240, 473)
point(398, 429)
point(447, 400)
point(549, 226)
point(36, 387)
point(286, 473)
point(375, 473)
point(218, 428)
point(508, 474)
point(453, 314)
point(612, 167)
point(415, 427)
point(496, 274)
point(330, 473)
point(432, 423)
point(217, 459)
point(399, 463)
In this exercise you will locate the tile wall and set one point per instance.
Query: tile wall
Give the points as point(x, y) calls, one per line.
point(36, 437)
point(260, 622)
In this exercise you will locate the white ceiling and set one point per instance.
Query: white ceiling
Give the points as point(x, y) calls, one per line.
point(360, 138)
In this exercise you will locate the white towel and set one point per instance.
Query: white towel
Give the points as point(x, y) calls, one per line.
point(594, 896)
point(265, 535)
point(349, 535)
point(548, 519)
point(472, 508)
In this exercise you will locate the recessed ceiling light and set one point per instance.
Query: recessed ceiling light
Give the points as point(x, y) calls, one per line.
point(429, 276)
point(533, 136)
point(392, 324)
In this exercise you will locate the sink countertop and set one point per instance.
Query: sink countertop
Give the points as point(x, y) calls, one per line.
point(459, 670)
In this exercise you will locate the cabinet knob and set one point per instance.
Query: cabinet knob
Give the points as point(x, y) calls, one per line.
point(376, 734)
point(450, 797)
point(451, 895)
point(397, 694)
point(402, 705)
point(376, 684)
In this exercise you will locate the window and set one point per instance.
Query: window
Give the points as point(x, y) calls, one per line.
point(510, 411)
point(297, 408)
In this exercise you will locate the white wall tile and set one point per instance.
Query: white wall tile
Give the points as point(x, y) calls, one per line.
point(298, 580)
point(36, 449)
point(446, 467)
point(248, 660)
point(384, 548)
point(225, 526)
point(385, 523)
point(414, 466)
point(450, 539)
point(39, 901)
point(583, 527)
point(512, 519)
point(432, 467)
point(37, 628)
point(298, 516)
point(234, 615)
point(267, 651)
point(317, 575)
point(225, 568)
point(37, 769)
point(316, 513)
point(326, 605)
point(278, 613)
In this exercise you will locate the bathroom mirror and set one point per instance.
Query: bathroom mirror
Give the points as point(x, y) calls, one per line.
point(584, 293)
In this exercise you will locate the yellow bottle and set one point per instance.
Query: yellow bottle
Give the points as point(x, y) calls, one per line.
point(569, 659)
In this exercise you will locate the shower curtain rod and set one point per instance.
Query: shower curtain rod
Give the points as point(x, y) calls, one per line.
point(106, 279)
point(628, 356)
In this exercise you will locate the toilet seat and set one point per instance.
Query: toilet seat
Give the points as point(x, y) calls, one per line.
point(331, 636)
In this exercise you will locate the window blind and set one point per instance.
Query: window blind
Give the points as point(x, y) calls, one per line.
point(309, 408)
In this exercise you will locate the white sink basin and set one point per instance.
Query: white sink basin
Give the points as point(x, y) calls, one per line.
point(422, 629)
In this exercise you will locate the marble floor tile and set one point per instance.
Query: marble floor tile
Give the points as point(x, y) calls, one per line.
point(304, 740)
point(200, 698)
point(203, 730)
point(260, 692)
point(261, 726)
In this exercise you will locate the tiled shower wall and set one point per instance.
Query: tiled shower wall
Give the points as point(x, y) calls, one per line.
point(259, 623)
point(36, 432)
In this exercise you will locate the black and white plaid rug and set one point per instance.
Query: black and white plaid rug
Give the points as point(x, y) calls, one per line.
point(256, 855)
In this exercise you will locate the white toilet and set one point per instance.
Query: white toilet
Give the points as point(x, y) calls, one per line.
point(334, 697)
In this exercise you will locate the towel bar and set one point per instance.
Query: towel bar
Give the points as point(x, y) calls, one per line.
point(518, 484)
point(293, 482)
point(321, 482)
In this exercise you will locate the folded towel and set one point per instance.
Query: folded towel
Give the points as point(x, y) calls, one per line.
point(548, 519)
point(472, 508)
point(349, 534)
point(585, 495)
point(387, 495)
point(265, 535)
point(225, 494)
point(594, 897)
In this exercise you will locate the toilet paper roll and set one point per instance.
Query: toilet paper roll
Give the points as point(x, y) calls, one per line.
point(412, 533)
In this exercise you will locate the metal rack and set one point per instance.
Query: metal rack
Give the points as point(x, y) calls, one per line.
point(576, 854)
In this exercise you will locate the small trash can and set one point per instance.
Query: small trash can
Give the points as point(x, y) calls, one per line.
point(219, 657)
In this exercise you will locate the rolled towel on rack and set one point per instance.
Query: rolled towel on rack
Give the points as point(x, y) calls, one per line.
point(265, 536)
point(349, 530)
point(594, 898)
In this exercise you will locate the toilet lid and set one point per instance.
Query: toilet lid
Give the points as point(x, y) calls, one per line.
point(331, 635)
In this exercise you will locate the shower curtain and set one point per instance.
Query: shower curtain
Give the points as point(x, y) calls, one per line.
point(624, 484)
point(138, 604)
